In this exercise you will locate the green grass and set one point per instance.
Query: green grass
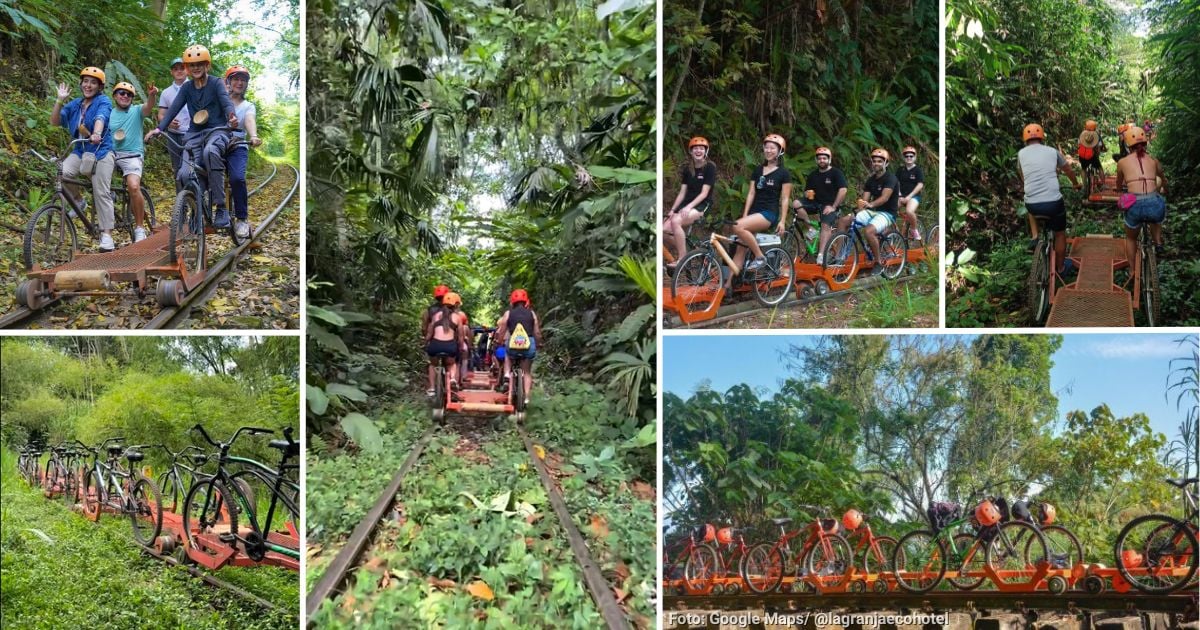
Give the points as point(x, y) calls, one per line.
point(91, 575)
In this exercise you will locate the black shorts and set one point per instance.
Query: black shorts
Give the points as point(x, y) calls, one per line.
point(1093, 163)
point(1055, 213)
point(447, 348)
point(814, 208)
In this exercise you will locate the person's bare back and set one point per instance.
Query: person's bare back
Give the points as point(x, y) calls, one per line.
point(1139, 174)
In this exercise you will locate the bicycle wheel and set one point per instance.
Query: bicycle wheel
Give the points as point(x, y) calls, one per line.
point(877, 557)
point(150, 220)
point(773, 280)
point(1156, 553)
point(144, 506)
point(701, 568)
point(187, 232)
point(762, 568)
point(517, 387)
point(208, 510)
point(967, 562)
point(50, 239)
point(1151, 303)
point(1006, 552)
point(841, 257)
point(893, 248)
point(830, 564)
point(932, 241)
point(697, 282)
point(919, 561)
point(1038, 284)
point(172, 491)
point(258, 489)
point(798, 246)
point(1062, 545)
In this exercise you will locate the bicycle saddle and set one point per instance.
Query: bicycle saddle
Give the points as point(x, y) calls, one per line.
point(199, 459)
point(1181, 482)
point(290, 449)
point(114, 449)
point(781, 521)
point(134, 456)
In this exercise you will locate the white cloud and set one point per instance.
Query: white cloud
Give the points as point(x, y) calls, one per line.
point(1144, 347)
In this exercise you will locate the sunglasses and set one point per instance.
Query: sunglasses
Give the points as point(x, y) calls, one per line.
point(910, 155)
point(123, 93)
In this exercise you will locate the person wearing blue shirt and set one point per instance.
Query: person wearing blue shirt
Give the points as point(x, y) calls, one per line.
point(208, 101)
point(90, 112)
point(126, 123)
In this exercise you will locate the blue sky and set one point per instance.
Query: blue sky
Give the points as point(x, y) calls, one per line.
point(1126, 371)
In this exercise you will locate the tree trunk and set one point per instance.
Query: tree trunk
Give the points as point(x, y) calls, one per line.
point(683, 72)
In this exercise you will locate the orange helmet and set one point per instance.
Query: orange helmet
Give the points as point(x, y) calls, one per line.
point(706, 533)
point(1046, 514)
point(1033, 130)
point(1122, 128)
point(777, 139)
point(987, 514)
point(1090, 125)
point(232, 70)
point(725, 535)
point(825, 151)
point(440, 291)
point(698, 141)
point(519, 295)
point(1134, 135)
point(881, 152)
point(452, 299)
point(909, 149)
point(1131, 559)
point(852, 519)
point(94, 72)
point(123, 86)
point(196, 53)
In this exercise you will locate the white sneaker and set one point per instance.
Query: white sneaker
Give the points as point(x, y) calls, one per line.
point(139, 234)
point(106, 243)
point(755, 264)
point(243, 229)
point(820, 259)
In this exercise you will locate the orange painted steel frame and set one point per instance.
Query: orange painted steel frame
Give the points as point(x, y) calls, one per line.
point(215, 554)
point(483, 400)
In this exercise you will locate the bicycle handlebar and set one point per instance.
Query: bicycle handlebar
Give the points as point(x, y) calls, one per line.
point(206, 132)
point(226, 445)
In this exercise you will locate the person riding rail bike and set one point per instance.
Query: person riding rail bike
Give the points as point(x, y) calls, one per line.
point(877, 206)
point(129, 150)
point(1139, 174)
point(1038, 165)
point(443, 335)
point(1091, 147)
point(694, 199)
point(824, 191)
point(912, 183)
point(766, 202)
point(237, 79)
point(439, 294)
point(205, 96)
point(519, 332)
point(93, 159)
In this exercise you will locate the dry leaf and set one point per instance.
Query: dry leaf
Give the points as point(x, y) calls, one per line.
point(480, 589)
point(313, 551)
point(621, 595)
point(622, 572)
point(375, 565)
point(541, 452)
point(599, 526)
point(643, 491)
point(443, 584)
point(348, 603)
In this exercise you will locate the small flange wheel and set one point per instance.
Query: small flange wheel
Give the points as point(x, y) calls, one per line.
point(733, 589)
point(1056, 584)
point(1093, 584)
point(857, 586)
point(439, 414)
point(881, 586)
point(29, 294)
point(169, 293)
point(806, 290)
point(718, 589)
point(821, 286)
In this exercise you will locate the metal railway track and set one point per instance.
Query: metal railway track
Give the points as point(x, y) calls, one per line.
point(1183, 603)
point(348, 558)
point(172, 316)
point(208, 579)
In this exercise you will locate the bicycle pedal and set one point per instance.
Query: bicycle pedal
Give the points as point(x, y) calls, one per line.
point(227, 537)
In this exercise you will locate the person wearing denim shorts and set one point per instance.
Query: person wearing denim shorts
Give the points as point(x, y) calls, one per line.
point(766, 202)
point(1140, 174)
point(1038, 165)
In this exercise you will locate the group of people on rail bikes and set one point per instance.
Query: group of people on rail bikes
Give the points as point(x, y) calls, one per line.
point(194, 104)
point(769, 198)
point(1139, 176)
point(448, 336)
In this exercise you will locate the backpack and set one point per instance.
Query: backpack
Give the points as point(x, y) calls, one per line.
point(1086, 153)
point(519, 340)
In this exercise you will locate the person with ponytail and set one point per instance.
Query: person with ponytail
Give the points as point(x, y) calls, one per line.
point(1141, 176)
point(695, 197)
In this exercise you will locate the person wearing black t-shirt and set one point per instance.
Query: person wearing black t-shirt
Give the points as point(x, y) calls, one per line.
point(766, 202)
point(877, 206)
point(912, 182)
point(824, 191)
point(694, 198)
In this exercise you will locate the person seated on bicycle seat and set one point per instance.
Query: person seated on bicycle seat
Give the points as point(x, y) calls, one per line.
point(1091, 147)
point(695, 196)
point(1038, 166)
point(179, 124)
point(129, 152)
point(824, 192)
point(443, 334)
point(90, 111)
point(766, 202)
point(237, 78)
point(877, 205)
point(912, 182)
point(1122, 150)
point(1139, 173)
point(439, 294)
point(519, 332)
point(208, 101)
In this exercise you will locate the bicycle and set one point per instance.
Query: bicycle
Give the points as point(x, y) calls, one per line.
point(696, 564)
point(845, 247)
point(796, 240)
point(127, 492)
point(825, 554)
point(1156, 553)
point(1147, 278)
point(282, 484)
point(212, 504)
point(1041, 274)
point(1062, 544)
point(691, 241)
point(51, 239)
point(730, 544)
point(30, 464)
point(171, 483)
point(701, 274)
point(877, 551)
point(922, 557)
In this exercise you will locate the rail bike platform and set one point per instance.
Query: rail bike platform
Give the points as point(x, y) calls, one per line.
point(1107, 194)
point(477, 395)
point(96, 273)
point(1094, 299)
point(212, 553)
